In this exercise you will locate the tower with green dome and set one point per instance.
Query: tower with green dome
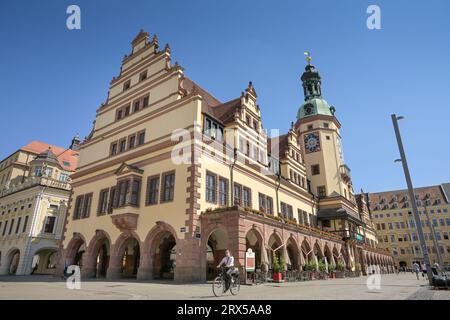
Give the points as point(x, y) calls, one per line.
point(329, 177)
point(319, 132)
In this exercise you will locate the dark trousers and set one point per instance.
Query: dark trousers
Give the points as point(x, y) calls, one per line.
point(227, 276)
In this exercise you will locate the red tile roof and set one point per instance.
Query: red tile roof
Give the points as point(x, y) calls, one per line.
point(67, 158)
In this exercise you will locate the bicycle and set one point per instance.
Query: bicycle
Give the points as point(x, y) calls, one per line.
point(219, 286)
point(259, 277)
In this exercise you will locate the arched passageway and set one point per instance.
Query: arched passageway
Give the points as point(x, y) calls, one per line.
point(164, 259)
point(253, 240)
point(216, 246)
point(275, 249)
point(293, 253)
point(130, 258)
point(13, 260)
point(44, 261)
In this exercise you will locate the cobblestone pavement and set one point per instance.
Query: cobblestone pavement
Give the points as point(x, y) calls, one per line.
point(403, 286)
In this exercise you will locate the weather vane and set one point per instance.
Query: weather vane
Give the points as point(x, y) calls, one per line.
point(308, 56)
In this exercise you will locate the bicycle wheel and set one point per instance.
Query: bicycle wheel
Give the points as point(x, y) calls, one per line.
point(235, 286)
point(218, 286)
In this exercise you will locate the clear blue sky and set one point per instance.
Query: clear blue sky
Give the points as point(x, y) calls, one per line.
point(52, 79)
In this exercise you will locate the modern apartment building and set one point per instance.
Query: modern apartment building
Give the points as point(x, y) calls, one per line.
point(396, 226)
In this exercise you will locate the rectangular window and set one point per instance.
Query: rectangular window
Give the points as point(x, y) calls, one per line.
point(18, 225)
point(315, 169)
point(269, 201)
point(122, 145)
point(211, 187)
point(25, 224)
point(119, 114)
point(213, 130)
point(113, 148)
point(321, 191)
point(123, 189)
point(290, 213)
point(152, 190)
point(87, 205)
point(135, 191)
point(131, 142)
point(145, 101)
point(283, 208)
point(141, 138)
point(38, 171)
point(103, 202)
point(112, 199)
point(143, 76)
point(262, 202)
point(127, 111)
point(49, 224)
point(168, 187)
point(126, 85)
point(136, 105)
point(237, 194)
point(247, 197)
point(11, 227)
point(223, 191)
point(78, 207)
point(4, 228)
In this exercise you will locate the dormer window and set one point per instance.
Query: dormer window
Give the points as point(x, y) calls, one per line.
point(38, 171)
point(213, 129)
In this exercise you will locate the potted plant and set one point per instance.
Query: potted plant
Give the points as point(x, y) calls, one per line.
point(357, 269)
point(340, 269)
point(278, 268)
point(332, 270)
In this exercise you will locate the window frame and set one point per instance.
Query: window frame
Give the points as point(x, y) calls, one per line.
point(171, 189)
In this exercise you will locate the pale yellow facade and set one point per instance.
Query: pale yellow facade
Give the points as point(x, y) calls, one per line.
point(162, 155)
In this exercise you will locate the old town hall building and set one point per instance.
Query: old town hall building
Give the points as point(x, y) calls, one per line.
point(170, 177)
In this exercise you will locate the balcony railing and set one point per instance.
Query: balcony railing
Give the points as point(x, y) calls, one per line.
point(350, 235)
point(34, 181)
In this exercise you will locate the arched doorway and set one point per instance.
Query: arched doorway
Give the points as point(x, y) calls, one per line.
point(13, 261)
point(102, 261)
point(254, 241)
point(328, 255)
point(275, 249)
point(318, 252)
point(294, 254)
point(44, 261)
point(216, 246)
point(130, 258)
point(165, 253)
point(75, 251)
point(345, 258)
point(307, 252)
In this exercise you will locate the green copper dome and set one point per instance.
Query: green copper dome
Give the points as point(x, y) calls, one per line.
point(314, 107)
point(312, 89)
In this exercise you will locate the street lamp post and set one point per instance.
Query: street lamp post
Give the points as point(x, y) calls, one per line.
point(402, 159)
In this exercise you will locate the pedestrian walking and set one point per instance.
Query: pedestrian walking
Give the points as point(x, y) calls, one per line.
point(424, 270)
point(416, 269)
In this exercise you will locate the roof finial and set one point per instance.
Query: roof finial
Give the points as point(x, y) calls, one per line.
point(308, 57)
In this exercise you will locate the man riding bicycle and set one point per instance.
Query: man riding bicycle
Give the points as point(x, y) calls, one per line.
point(228, 262)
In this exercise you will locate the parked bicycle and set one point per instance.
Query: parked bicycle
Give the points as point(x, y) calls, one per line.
point(219, 283)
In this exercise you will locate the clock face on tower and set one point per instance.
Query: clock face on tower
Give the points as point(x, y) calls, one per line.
point(312, 142)
point(309, 109)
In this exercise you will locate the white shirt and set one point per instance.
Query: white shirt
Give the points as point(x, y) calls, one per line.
point(228, 261)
